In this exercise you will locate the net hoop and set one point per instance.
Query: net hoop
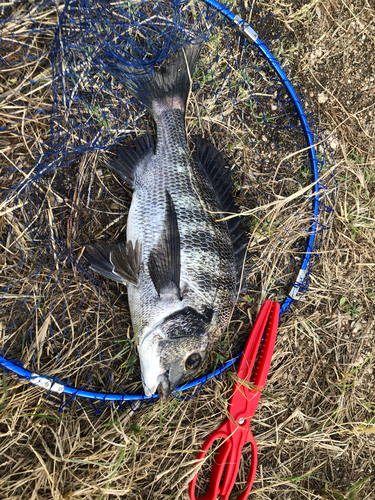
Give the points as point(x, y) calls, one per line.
point(52, 385)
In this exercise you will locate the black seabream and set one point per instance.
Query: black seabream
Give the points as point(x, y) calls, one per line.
point(181, 264)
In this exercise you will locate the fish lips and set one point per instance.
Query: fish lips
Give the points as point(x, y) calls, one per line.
point(155, 376)
point(160, 374)
point(170, 380)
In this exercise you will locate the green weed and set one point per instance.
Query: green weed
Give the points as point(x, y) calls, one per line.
point(351, 494)
point(349, 307)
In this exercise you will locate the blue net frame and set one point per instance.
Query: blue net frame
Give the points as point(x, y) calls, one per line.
point(66, 330)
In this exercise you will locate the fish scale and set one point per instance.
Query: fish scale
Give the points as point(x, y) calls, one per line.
point(173, 169)
point(179, 262)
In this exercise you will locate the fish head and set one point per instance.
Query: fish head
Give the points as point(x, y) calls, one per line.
point(174, 350)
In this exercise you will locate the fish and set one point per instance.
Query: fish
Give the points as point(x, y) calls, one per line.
point(181, 263)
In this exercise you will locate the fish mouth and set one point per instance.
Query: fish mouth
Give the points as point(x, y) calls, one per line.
point(157, 375)
point(164, 386)
point(164, 383)
point(168, 382)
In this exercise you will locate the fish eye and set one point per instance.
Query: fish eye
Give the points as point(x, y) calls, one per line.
point(193, 361)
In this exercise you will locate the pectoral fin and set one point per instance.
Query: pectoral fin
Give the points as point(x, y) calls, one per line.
point(116, 261)
point(164, 261)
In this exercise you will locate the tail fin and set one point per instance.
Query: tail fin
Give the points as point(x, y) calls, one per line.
point(167, 86)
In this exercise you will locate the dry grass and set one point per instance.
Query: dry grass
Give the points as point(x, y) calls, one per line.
point(315, 424)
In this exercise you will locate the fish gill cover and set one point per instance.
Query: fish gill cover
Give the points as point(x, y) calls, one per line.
point(58, 320)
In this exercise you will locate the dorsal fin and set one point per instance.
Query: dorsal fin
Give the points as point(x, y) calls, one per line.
point(129, 159)
point(220, 177)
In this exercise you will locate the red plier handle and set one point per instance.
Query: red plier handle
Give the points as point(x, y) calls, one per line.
point(236, 431)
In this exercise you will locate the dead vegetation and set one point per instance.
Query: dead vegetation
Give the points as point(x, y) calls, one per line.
point(315, 424)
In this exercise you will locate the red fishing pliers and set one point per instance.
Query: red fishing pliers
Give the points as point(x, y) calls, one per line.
point(236, 431)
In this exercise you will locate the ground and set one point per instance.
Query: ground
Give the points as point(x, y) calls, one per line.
point(315, 425)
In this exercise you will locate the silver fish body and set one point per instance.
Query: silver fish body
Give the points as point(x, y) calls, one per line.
point(179, 263)
point(207, 269)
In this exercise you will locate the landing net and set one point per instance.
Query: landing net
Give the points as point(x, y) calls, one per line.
point(64, 328)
